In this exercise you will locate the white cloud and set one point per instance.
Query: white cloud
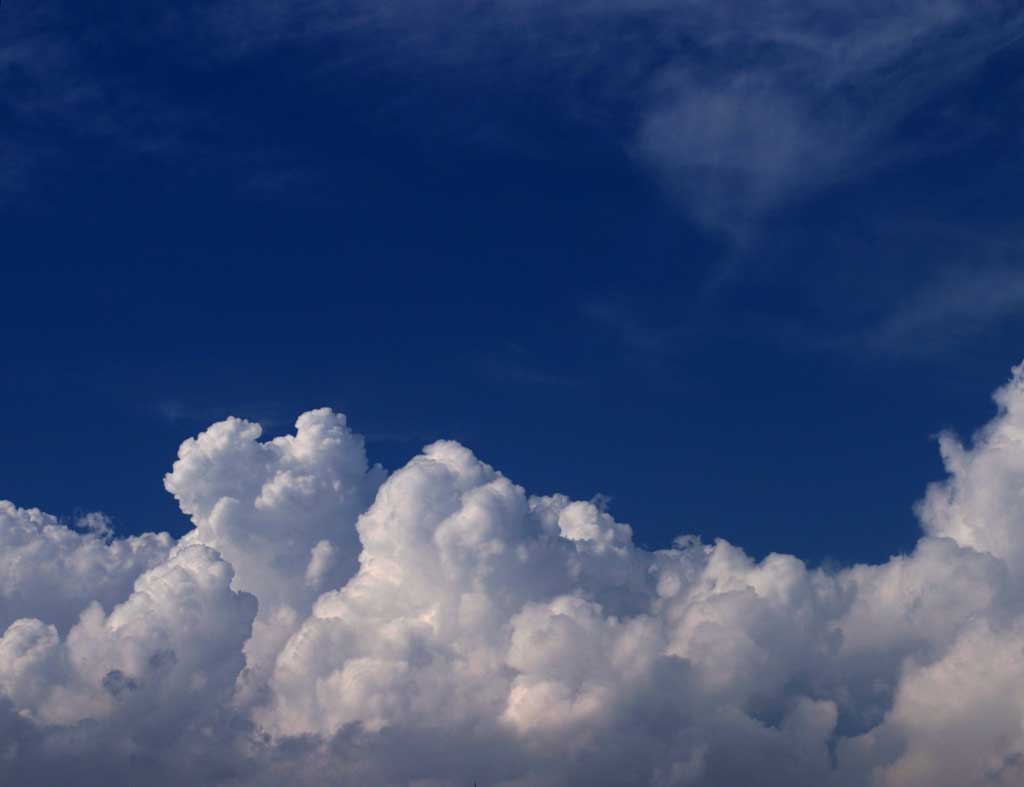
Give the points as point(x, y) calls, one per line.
point(52, 572)
point(168, 651)
point(325, 626)
point(282, 512)
point(981, 505)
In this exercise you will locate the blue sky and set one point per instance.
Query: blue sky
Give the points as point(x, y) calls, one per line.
point(731, 268)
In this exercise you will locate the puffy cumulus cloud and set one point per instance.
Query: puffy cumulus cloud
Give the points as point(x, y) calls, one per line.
point(279, 509)
point(452, 551)
point(281, 512)
point(171, 648)
point(325, 625)
point(956, 719)
point(51, 571)
point(981, 505)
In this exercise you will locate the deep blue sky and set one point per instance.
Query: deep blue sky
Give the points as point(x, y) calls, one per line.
point(733, 290)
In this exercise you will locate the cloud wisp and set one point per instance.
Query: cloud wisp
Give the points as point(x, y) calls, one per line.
point(737, 108)
point(957, 306)
point(326, 624)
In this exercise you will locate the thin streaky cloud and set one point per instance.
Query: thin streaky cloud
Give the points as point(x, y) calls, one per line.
point(738, 109)
point(954, 308)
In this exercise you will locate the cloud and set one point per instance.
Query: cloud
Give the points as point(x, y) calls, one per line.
point(328, 625)
point(56, 93)
point(958, 305)
point(50, 571)
point(737, 108)
point(281, 512)
point(776, 100)
point(170, 651)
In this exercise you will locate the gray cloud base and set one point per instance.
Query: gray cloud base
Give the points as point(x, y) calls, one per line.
point(327, 625)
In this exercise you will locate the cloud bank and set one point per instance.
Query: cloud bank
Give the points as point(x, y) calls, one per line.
point(326, 624)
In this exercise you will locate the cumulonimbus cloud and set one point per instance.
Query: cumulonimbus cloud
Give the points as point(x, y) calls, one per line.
point(324, 624)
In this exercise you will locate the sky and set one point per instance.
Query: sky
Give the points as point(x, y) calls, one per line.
point(720, 270)
point(630, 250)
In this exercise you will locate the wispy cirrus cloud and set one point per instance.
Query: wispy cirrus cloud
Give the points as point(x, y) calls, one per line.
point(737, 108)
point(955, 307)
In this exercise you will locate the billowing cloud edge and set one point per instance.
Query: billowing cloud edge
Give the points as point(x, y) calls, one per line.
point(327, 624)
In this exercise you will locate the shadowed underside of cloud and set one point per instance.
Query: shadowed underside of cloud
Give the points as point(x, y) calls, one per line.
point(327, 625)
